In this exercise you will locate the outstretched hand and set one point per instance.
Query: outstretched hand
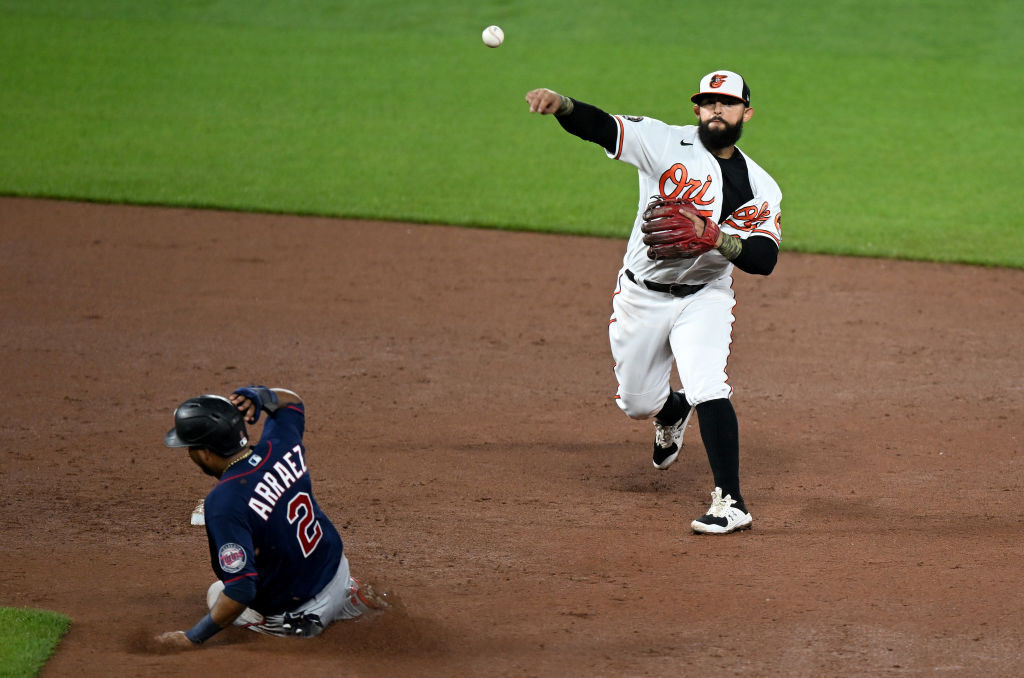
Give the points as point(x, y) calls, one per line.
point(174, 640)
point(544, 101)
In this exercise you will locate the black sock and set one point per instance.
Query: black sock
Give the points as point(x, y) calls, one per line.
point(674, 410)
point(720, 431)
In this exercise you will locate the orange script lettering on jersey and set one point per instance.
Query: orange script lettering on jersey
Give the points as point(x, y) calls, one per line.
point(675, 183)
point(750, 217)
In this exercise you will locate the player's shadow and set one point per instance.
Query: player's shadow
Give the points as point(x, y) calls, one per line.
point(391, 633)
point(627, 467)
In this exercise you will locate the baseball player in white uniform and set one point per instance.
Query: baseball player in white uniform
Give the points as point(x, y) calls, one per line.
point(679, 309)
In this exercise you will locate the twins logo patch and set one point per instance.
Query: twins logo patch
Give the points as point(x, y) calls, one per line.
point(232, 558)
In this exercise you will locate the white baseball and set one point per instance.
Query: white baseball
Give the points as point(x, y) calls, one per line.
point(493, 36)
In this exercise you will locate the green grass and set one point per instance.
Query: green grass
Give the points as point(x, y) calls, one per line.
point(891, 125)
point(27, 639)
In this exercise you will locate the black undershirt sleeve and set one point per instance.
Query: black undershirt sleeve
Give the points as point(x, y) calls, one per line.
point(759, 253)
point(758, 256)
point(590, 123)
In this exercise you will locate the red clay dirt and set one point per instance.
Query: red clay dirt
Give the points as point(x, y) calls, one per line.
point(463, 437)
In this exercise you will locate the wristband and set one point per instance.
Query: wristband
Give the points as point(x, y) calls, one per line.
point(268, 399)
point(203, 631)
point(731, 246)
point(565, 107)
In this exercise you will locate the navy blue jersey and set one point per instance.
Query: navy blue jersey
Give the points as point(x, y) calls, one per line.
point(270, 543)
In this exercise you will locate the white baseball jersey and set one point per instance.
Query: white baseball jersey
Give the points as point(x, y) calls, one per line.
point(672, 162)
point(650, 330)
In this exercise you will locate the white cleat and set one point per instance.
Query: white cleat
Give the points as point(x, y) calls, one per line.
point(668, 440)
point(722, 517)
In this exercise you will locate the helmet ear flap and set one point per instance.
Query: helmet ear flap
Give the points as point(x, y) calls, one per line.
point(208, 421)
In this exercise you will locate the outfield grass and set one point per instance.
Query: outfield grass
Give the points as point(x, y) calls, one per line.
point(892, 126)
point(27, 639)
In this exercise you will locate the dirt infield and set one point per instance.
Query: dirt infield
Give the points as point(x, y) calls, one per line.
point(463, 437)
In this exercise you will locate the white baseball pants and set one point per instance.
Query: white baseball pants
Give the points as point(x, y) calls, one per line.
point(649, 330)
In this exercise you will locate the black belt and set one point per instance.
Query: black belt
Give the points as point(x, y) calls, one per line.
point(675, 290)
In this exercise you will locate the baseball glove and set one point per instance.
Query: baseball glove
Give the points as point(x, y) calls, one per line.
point(674, 229)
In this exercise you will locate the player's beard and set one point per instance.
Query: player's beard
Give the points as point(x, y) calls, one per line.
point(714, 139)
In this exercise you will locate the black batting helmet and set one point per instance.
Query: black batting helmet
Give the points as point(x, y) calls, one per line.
point(209, 421)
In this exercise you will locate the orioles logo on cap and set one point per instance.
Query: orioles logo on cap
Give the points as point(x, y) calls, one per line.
point(718, 80)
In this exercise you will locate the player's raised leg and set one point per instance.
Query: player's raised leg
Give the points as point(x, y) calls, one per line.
point(669, 427)
point(638, 332)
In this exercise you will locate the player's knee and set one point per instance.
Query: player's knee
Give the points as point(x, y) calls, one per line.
point(213, 593)
point(640, 406)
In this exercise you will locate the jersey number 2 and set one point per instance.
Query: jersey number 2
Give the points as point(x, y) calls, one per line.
point(309, 532)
